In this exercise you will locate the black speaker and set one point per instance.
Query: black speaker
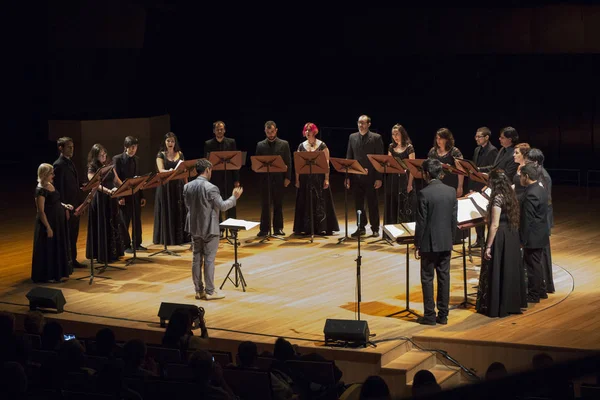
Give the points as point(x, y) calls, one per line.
point(167, 309)
point(41, 297)
point(346, 331)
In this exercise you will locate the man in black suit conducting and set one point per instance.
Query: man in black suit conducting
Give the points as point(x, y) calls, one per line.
point(484, 155)
point(505, 158)
point(66, 181)
point(222, 143)
point(360, 144)
point(435, 226)
point(272, 145)
point(534, 230)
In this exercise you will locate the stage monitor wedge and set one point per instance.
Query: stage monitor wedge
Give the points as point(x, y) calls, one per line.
point(167, 309)
point(42, 297)
point(346, 332)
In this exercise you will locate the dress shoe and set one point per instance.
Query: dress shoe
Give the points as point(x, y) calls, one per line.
point(129, 250)
point(441, 320)
point(375, 233)
point(262, 234)
point(359, 232)
point(425, 321)
point(201, 295)
point(279, 232)
point(531, 299)
point(77, 264)
point(544, 296)
point(141, 248)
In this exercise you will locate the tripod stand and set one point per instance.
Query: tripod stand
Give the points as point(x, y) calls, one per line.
point(236, 268)
point(269, 164)
point(347, 167)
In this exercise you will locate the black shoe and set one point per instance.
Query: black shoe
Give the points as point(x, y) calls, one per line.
point(262, 234)
point(440, 320)
point(129, 250)
point(279, 232)
point(359, 232)
point(531, 299)
point(544, 296)
point(141, 248)
point(424, 321)
point(222, 235)
point(77, 264)
point(375, 233)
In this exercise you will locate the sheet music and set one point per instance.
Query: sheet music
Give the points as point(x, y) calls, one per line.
point(411, 227)
point(396, 231)
point(247, 225)
point(488, 191)
point(479, 199)
point(467, 211)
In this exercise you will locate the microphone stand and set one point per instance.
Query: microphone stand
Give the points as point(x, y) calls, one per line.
point(358, 262)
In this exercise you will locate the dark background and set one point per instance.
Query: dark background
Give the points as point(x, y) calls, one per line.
point(531, 65)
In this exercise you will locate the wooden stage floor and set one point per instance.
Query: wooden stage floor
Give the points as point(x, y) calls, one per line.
point(294, 286)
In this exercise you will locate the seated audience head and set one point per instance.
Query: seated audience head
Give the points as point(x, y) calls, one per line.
point(496, 370)
point(134, 353)
point(34, 322)
point(283, 350)
point(105, 342)
point(7, 325)
point(374, 388)
point(52, 336)
point(13, 380)
point(508, 136)
point(424, 384)
point(71, 355)
point(542, 360)
point(179, 325)
point(433, 169)
point(247, 353)
point(202, 363)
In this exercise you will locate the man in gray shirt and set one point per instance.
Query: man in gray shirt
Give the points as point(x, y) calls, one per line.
point(204, 203)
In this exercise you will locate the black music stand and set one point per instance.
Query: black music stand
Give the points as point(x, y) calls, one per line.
point(309, 163)
point(269, 164)
point(129, 187)
point(235, 225)
point(162, 179)
point(403, 234)
point(219, 161)
point(346, 167)
point(385, 164)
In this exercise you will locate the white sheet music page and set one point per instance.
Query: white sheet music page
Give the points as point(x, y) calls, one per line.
point(242, 224)
point(395, 231)
point(479, 199)
point(467, 211)
point(411, 227)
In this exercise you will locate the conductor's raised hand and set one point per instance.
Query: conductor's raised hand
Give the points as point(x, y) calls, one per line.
point(237, 192)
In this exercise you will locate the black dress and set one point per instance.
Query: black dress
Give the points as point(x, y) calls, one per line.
point(519, 190)
point(502, 287)
point(51, 256)
point(104, 211)
point(175, 208)
point(397, 193)
point(324, 218)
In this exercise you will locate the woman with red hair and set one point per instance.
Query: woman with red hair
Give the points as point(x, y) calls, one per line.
point(316, 186)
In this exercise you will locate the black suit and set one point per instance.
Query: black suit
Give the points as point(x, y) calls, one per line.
point(277, 147)
point(66, 181)
point(482, 157)
point(362, 185)
point(218, 177)
point(504, 160)
point(128, 167)
point(435, 226)
point(534, 235)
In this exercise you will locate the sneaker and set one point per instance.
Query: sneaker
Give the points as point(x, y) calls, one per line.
point(201, 295)
point(215, 295)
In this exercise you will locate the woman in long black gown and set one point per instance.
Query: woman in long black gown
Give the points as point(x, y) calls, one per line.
point(316, 186)
point(502, 289)
point(51, 261)
point(103, 217)
point(520, 157)
point(167, 159)
point(400, 192)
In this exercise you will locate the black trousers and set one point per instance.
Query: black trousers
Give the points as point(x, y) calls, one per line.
point(362, 186)
point(533, 264)
point(126, 214)
point(440, 263)
point(277, 190)
point(73, 226)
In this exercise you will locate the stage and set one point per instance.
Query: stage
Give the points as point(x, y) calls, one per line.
point(294, 286)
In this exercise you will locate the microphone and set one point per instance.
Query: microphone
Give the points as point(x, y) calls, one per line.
point(358, 212)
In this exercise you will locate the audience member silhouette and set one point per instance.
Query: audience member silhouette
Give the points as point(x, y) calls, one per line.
point(209, 377)
point(375, 388)
point(424, 384)
point(496, 370)
point(52, 336)
point(34, 322)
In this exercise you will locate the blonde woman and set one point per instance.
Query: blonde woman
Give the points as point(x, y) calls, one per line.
point(51, 249)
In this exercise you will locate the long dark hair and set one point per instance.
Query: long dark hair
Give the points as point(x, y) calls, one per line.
point(404, 138)
point(179, 325)
point(501, 186)
point(444, 133)
point(92, 159)
point(168, 135)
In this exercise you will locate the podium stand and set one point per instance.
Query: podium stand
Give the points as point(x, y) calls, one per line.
point(346, 167)
point(470, 169)
point(129, 187)
point(403, 234)
point(162, 179)
point(311, 162)
point(219, 161)
point(269, 164)
point(235, 225)
point(92, 185)
point(385, 164)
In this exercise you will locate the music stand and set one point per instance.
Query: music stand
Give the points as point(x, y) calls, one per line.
point(92, 185)
point(385, 164)
point(219, 161)
point(162, 179)
point(346, 167)
point(473, 173)
point(309, 163)
point(129, 187)
point(403, 234)
point(234, 225)
point(269, 164)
